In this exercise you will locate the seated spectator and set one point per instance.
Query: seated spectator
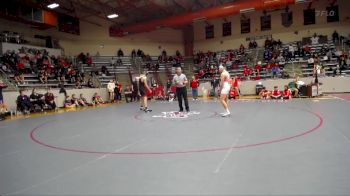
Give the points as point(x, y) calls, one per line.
point(19, 77)
point(286, 93)
point(119, 62)
point(23, 102)
point(90, 84)
point(104, 71)
point(293, 87)
point(246, 71)
point(342, 63)
point(128, 94)
point(275, 70)
point(82, 100)
point(314, 39)
point(258, 68)
point(43, 76)
point(68, 103)
point(276, 94)
point(50, 99)
point(96, 99)
point(264, 94)
point(113, 62)
point(241, 49)
point(37, 99)
point(75, 100)
point(4, 111)
point(88, 59)
point(267, 55)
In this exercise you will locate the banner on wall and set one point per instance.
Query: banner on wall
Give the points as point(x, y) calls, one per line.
point(265, 23)
point(226, 29)
point(209, 32)
point(245, 25)
point(287, 19)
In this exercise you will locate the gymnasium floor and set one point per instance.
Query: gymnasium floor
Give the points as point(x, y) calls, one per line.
point(300, 147)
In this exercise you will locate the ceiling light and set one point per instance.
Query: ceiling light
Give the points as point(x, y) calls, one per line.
point(247, 10)
point(302, 1)
point(112, 16)
point(53, 5)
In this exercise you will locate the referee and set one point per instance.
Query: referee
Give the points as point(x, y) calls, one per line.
point(181, 81)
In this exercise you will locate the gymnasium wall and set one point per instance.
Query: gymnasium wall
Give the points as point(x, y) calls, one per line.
point(286, 34)
point(95, 38)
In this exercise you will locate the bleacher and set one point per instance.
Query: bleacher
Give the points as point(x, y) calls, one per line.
point(298, 60)
point(31, 80)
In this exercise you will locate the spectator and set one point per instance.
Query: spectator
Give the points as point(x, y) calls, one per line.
point(133, 54)
point(264, 94)
point(119, 62)
point(291, 52)
point(82, 100)
point(275, 70)
point(110, 88)
point(88, 59)
point(43, 76)
point(113, 62)
point(68, 102)
point(104, 71)
point(286, 93)
point(96, 99)
point(235, 85)
point(50, 99)
point(128, 94)
point(135, 91)
point(335, 37)
point(342, 63)
point(276, 94)
point(18, 76)
point(90, 84)
point(194, 85)
point(2, 86)
point(314, 39)
point(23, 103)
point(168, 85)
point(37, 99)
point(120, 53)
point(118, 91)
point(258, 68)
point(75, 100)
point(310, 62)
point(294, 88)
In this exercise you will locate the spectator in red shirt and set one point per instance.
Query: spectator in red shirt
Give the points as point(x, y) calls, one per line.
point(194, 85)
point(246, 71)
point(257, 68)
point(118, 91)
point(276, 94)
point(235, 85)
point(286, 93)
point(88, 59)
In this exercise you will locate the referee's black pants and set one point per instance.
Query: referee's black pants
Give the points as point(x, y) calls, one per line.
point(181, 93)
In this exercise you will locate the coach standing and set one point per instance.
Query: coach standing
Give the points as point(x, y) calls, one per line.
point(181, 81)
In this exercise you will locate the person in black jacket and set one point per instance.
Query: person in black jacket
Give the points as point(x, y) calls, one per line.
point(37, 99)
point(23, 102)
